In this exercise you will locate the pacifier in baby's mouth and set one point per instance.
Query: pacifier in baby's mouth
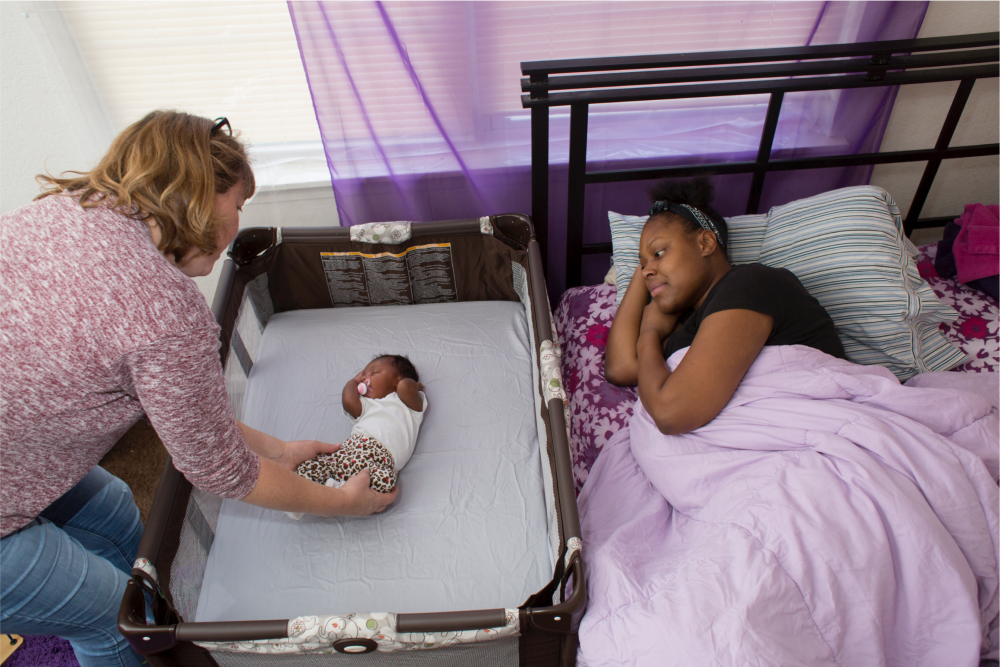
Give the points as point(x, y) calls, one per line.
point(364, 386)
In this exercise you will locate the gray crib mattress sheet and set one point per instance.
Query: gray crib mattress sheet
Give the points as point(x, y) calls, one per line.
point(468, 530)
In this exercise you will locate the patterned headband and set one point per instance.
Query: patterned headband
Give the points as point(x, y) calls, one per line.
point(689, 213)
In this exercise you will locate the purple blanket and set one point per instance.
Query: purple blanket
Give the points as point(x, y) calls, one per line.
point(828, 516)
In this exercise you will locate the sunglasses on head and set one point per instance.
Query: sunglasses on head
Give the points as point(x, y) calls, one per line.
point(219, 123)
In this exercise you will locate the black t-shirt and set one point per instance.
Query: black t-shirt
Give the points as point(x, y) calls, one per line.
point(799, 319)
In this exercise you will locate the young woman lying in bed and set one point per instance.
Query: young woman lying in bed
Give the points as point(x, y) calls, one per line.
point(686, 293)
point(769, 501)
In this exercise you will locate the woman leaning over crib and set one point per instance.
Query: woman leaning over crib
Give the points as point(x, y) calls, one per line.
point(686, 293)
point(101, 323)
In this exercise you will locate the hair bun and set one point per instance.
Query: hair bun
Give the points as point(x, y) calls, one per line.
point(698, 192)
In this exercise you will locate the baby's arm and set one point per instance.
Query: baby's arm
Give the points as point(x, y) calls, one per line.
point(409, 392)
point(350, 396)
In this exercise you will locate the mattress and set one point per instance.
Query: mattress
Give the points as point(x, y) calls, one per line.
point(468, 530)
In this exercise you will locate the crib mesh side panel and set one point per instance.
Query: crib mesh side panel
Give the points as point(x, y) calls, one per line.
point(188, 567)
point(255, 309)
point(202, 515)
point(496, 653)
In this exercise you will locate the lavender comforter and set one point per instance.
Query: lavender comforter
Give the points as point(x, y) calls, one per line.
point(828, 516)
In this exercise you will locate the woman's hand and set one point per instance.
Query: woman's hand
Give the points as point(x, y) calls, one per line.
point(297, 451)
point(281, 489)
point(655, 320)
point(361, 499)
point(637, 284)
point(286, 454)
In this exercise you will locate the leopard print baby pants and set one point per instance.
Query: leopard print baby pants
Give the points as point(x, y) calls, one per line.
point(357, 453)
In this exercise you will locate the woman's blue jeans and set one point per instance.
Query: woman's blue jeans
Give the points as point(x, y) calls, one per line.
point(64, 573)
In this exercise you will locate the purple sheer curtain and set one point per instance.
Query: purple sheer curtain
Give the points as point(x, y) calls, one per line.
point(419, 107)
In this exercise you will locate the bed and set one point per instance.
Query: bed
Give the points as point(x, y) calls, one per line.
point(478, 561)
point(761, 536)
point(821, 517)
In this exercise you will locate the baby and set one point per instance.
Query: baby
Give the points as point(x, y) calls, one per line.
point(386, 402)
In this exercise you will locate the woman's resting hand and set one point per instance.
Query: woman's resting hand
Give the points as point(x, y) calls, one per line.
point(726, 345)
point(621, 362)
point(655, 320)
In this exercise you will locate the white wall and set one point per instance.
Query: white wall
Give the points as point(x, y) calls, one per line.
point(920, 111)
point(51, 119)
point(41, 124)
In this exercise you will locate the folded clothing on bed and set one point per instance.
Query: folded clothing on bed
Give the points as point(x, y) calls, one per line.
point(828, 516)
point(970, 249)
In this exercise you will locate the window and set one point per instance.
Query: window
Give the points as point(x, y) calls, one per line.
point(413, 84)
point(473, 50)
point(239, 60)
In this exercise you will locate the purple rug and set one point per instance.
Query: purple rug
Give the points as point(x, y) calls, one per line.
point(42, 652)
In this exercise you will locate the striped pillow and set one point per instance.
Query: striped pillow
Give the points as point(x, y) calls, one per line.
point(848, 249)
point(746, 234)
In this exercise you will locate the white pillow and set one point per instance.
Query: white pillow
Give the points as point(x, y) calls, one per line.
point(746, 233)
point(609, 277)
point(848, 249)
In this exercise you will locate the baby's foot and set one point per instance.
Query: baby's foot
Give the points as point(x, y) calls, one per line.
point(334, 483)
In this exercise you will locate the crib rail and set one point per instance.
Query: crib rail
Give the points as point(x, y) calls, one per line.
point(547, 621)
point(146, 639)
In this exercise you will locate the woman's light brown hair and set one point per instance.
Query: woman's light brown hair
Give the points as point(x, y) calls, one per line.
point(165, 169)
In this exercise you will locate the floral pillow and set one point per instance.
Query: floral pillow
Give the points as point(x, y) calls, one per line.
point(976, 329)
point(597, 408)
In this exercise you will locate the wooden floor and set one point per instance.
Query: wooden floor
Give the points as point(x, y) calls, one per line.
point(9, 644)
point(138, 459)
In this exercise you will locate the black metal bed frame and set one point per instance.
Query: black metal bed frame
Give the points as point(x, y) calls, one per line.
point(574, 83)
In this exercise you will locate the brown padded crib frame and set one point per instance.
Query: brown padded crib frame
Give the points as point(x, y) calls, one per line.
point(296, 280)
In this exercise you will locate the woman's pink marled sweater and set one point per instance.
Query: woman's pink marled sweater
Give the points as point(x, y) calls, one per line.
point(97, 328)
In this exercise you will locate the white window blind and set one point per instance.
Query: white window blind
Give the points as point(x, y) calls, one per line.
point(234, 59)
